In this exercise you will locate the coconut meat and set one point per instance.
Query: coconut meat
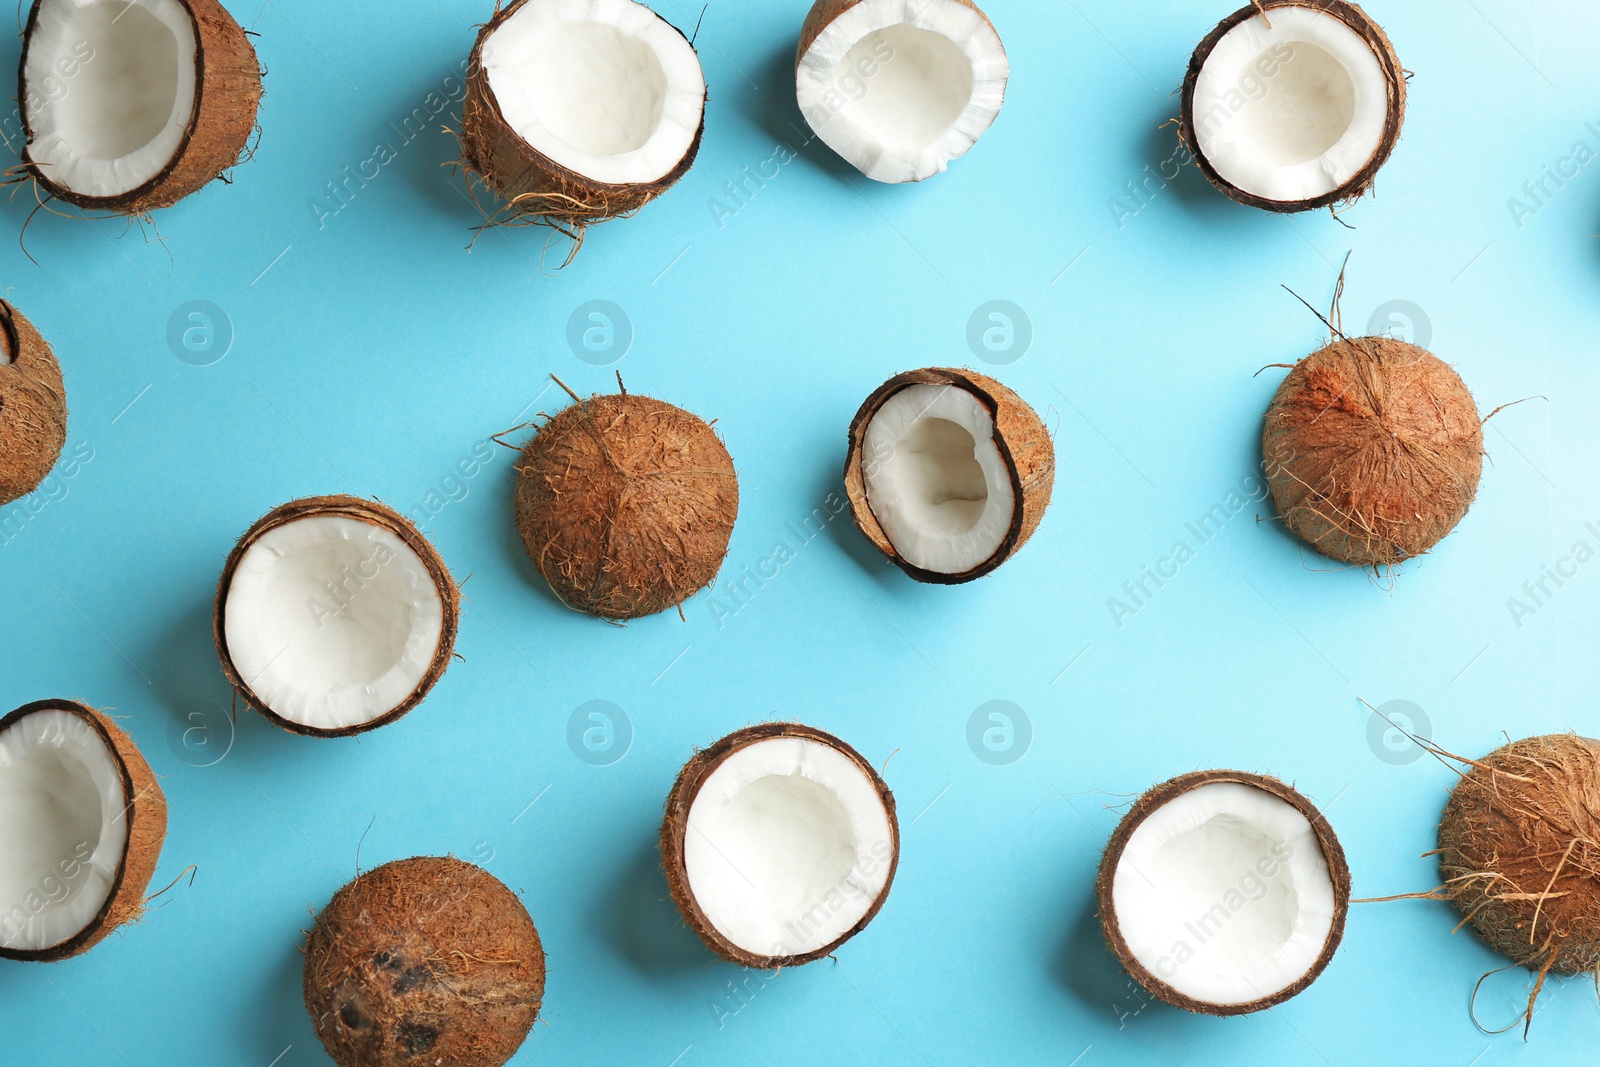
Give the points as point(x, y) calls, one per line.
point(899, 89)
point(605, 88)
point(1224, 894)
point(63, 828)
point(109, 89)
point(935, 478)
point(1294, 111)
point(787, 846)
point(332, 621)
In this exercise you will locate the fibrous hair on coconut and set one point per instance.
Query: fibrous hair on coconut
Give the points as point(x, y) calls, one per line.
point(1292, 105)
point(33, 406)
point(625, 504)
point(424, 961)
point(579, 111)
point(130, 107)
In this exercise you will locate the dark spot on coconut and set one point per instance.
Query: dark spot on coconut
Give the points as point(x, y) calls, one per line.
point(388, 961)
point(414, 978)
point(416, 1038)
point(353, 1017)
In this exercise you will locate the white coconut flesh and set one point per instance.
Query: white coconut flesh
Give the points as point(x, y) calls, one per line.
point(900, 89)
point(332, 622)
point(935, 479)
point(109, 88)
point(605, 88)
point(63, 828)
point(1294, 111)
point(1224, 894)
point(787, 846)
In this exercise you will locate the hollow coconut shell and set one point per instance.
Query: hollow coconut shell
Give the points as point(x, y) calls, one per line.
point(535, 187)
point(1161, 795)
point(146, 813)
point(33, 407)
point(823, 12)
point(1019, 434)
point(424, 961)
point(376, 514)
point(1373, 449)
point(1519, 851)
point(227, 94)
point(625, 505)
point(1394, 76)
point(675, 827)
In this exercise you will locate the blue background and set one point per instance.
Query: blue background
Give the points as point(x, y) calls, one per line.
point(371, 353)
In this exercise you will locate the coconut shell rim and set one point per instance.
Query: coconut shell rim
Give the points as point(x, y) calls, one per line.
point(861, 509)
point(368, 511)
point(675, 825)
point(818, 19)
point(1359, 183)
point(97, 928)
point(1163, 793)
point(136, 200)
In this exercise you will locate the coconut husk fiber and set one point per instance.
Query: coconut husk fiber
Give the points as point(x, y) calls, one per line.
point(33, 407)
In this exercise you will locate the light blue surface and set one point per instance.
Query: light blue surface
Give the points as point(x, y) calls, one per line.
point(371, 353)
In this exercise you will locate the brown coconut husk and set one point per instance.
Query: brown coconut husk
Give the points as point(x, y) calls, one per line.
point(424, 961)
point(146, 815)
point(1394, 77)
point(537, 190)
point(823, 12)
point(1163, 794)
point(375, 514)
point(33, 407)
point(625, 505)
point(1024, 444)
point(1373, 449)
point(1519, 852)
point(675, 827)
point(227, 94)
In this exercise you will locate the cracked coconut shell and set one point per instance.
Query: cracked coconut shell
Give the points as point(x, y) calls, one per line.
point(227, 95)
point(1394, 77)
point(1019, 434)
point(146, 813)
point(424, 961)
point(33, 407)
point(625, 505)
point(1373, 448)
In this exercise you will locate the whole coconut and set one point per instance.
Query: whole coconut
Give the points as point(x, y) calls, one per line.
point(33, 406)
point(1373, 448)
point(424, 961)
point(1519, 849)
point(625, 505)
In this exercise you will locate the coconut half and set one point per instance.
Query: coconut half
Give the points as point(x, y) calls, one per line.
point(1373, 448)
point(625, 505)
point(948, 473)
point(33, 406)
point(424, 961)
point(1291, 105)
point(128, 107)
point(779, 843)
point(581, 110)
point(81, 825)
point(334, 616)
point(898, 89)
point(1223, 892)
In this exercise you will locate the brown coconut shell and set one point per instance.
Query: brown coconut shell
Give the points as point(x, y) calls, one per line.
point(675, 827)
point(424, 961)
point(1021, 437)
point(823, 12)
point(146, 813)
point(1161, 795)
point(535, 187)
point(1519, 851)
point(625, 505)
point(375, 514)
point(1394, 76)
point(227, 93)
point(1373, 448)
point(33, 407)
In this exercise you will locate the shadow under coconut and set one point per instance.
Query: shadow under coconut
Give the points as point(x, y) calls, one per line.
point(280, 1019)
point(640, 922)
point(1163, 149)
point(774, 108)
